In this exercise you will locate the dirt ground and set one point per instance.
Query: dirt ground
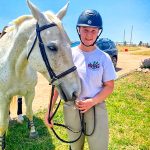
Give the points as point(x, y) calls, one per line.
point(126, 63)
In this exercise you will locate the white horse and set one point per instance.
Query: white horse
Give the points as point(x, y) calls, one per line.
point(31, 44)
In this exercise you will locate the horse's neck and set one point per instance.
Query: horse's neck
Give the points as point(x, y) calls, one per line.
point(18, 54)
point(5, 44)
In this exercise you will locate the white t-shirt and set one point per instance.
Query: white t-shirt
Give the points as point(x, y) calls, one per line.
point(94, 68)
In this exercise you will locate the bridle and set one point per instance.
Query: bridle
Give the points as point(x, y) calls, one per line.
point(55, 77)
point(52, 75)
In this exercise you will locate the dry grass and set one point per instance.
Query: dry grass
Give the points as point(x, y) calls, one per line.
point(135, 50)
point(147, 53)
point(130, 48)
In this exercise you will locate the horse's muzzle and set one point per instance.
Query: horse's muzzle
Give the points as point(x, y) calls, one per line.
point(66, 96)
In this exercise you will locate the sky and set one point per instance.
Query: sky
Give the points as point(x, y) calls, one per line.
point(120, 17)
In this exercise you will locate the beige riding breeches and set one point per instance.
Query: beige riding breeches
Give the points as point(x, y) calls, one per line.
point(99, 139)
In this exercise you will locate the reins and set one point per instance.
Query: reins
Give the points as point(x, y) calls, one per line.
point(58, 124)
point(82, 123)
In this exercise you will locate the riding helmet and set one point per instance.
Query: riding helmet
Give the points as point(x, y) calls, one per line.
point(90, 18)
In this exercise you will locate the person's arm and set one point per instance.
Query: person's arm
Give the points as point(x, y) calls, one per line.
point(85, 105)
point(53, 104)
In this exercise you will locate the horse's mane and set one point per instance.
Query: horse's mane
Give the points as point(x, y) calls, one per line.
point(17, 22)
point(3, 31)
point(21, 19)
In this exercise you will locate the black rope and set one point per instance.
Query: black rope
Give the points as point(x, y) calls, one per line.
point(65, 141)
point(32, 47)
point(39, 29)
point(83, 124)
point(51, 102)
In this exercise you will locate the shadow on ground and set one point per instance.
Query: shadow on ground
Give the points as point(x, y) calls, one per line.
point(118, 69)
point(17, 137)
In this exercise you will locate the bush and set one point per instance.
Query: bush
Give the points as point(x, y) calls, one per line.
point(145, 63)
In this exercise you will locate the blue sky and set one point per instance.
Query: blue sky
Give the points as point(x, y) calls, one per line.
point(117, 15)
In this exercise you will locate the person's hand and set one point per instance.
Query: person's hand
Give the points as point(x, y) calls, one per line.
point(84, 105)
point(47, 122)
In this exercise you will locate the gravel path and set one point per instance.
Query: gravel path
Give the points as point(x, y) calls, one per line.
point(126, 63)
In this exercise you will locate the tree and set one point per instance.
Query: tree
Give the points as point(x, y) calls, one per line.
point(140, 43)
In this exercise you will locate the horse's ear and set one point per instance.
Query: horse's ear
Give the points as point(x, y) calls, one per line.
point(62, 12)
point(35, 11)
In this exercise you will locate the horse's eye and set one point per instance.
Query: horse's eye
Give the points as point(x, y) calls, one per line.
point(52, 47)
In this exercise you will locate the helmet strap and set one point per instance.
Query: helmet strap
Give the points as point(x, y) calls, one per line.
point(93, 42)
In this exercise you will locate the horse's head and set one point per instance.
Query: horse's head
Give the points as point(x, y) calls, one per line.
point(50, 53)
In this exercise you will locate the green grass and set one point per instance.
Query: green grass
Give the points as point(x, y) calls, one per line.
point(129, 113)
point(129, 120)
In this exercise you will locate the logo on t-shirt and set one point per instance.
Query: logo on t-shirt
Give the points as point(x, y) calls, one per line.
point(94, 65)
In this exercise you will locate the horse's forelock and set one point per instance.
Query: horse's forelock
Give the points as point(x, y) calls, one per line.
point(52, 17)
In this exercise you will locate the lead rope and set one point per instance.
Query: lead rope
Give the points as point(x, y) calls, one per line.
point(57, 124)
point(83, 124)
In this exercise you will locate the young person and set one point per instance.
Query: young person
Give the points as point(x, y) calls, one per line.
point(97, 75)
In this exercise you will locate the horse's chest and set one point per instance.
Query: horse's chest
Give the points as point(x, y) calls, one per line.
point(20, 86)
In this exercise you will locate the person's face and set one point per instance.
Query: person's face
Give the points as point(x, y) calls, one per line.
point(88, 34)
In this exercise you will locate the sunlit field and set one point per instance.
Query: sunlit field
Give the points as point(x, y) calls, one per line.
point(129, 120)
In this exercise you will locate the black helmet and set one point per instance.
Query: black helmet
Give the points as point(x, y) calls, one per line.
point(90, 18)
